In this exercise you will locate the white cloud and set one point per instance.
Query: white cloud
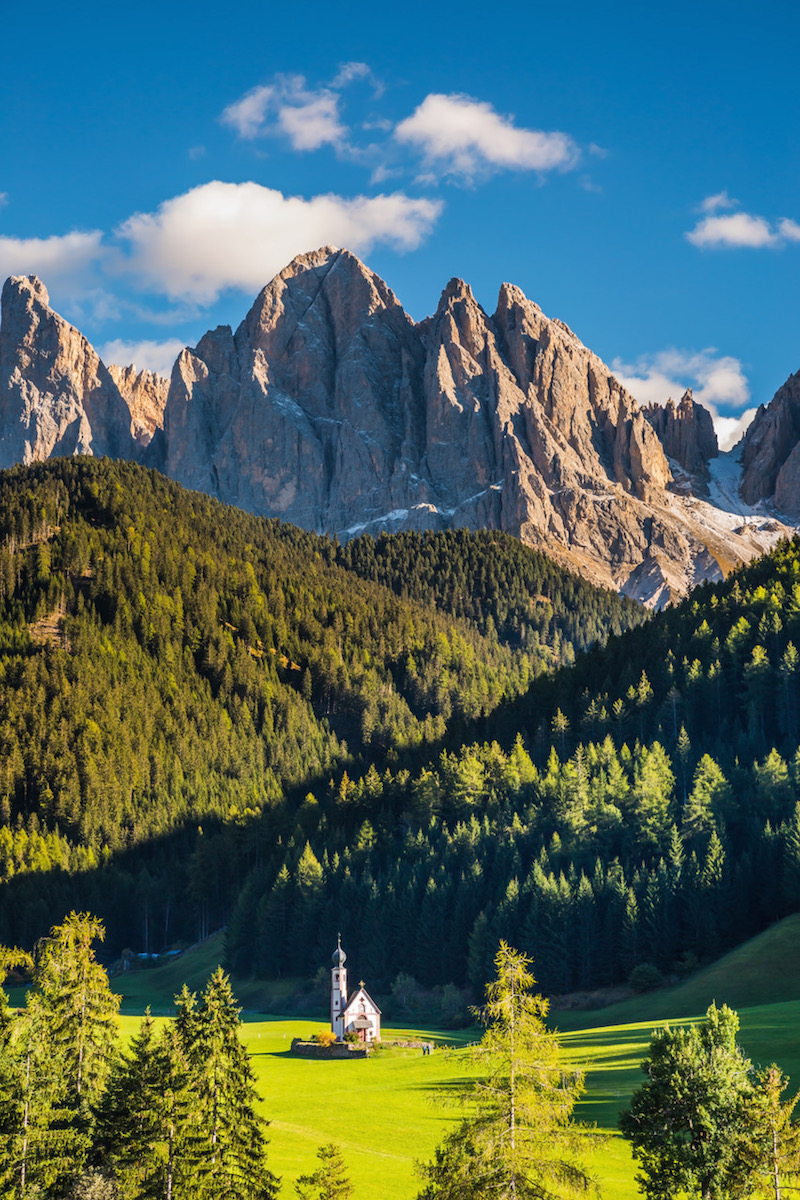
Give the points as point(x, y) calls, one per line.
point(717, 381)
point(57, 260)
point(228, 235)
point(351, 72)
point(466, 136)
point(312, 122)
point(3, 199)
point(248, 116)
point(735, 229)
point(739, 229)
point(144, 355)
point(718, 200)
point(789, 230)
point(730, 430)
point(309, 118)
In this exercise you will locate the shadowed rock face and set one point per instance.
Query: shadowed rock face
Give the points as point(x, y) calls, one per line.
point(686, 432)
point(771, 452)
point(56, 397)
point(331, 408)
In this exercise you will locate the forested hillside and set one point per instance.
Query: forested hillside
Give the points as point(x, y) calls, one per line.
point(209, 719)
point(177, 677)
point(641, 807)
point(499, 584)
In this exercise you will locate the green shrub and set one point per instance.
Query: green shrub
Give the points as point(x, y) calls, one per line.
point(645, 977)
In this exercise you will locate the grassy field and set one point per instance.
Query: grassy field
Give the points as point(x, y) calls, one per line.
point(387, 1112)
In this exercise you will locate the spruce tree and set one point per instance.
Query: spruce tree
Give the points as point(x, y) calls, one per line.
point(226, 1143)
point(688, 1123)
point(145, 1115)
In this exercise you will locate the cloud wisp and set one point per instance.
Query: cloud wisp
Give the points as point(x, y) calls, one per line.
point(718, 382)
point(65, 260)
point(145, 355)
point(736, 230)
point(308, 118)
point(239, 235)
point(467, 137)
point(453, 135)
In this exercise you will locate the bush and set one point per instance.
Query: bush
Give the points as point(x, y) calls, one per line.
point(325, 1037)
point(645, 977)
point(351, 1037)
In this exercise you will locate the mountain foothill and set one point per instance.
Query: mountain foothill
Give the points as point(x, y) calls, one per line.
point(422, 631)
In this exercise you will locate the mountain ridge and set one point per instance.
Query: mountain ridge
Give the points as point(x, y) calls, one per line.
point(331, 408)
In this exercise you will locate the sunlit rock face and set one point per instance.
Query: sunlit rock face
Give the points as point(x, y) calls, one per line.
point(56, 396)
point(145, 394)
point(331, 408)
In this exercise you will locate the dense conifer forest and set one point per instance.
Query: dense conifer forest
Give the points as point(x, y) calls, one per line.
point(177, 675)
point(431, 742)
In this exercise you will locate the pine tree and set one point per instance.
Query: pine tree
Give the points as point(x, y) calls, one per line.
point(519, 1140)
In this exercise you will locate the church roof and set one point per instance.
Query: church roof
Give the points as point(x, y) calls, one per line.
point(362, 994)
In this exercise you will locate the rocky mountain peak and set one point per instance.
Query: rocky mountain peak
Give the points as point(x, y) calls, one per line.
point(686, 431)
point(331, 408)
point(771, 451)
point(56, 396)
point(145, 393)
point(24, 289)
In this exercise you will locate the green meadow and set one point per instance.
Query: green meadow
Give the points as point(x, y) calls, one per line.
point(389, 1111)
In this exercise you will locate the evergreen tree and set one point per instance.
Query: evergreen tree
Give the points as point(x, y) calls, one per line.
point(227, 1148)
point(145, 1115)
point(519, 1140)
point(330, 1180)
point(78, 1010)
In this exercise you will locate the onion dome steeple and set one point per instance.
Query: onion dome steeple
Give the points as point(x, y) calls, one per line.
point(339, 957)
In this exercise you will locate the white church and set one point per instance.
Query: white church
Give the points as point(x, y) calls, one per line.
point(360, 1014)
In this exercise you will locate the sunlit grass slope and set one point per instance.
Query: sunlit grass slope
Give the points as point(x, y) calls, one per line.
point(765, 970)
point(388, 1112)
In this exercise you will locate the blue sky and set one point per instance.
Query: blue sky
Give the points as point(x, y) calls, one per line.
point(634, 168)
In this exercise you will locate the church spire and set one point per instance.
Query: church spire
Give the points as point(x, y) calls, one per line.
point(338, 988)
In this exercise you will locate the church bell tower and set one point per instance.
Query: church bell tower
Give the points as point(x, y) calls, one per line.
point(338, 989)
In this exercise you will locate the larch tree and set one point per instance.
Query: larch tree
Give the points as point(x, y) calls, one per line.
point(519, 1141)
point(79, 1010)
point(330, 1181)
point(772, 1142)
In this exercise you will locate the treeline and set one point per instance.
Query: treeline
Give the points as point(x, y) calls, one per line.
point(177, 675)
point(173, 1116)
point(593, 866)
